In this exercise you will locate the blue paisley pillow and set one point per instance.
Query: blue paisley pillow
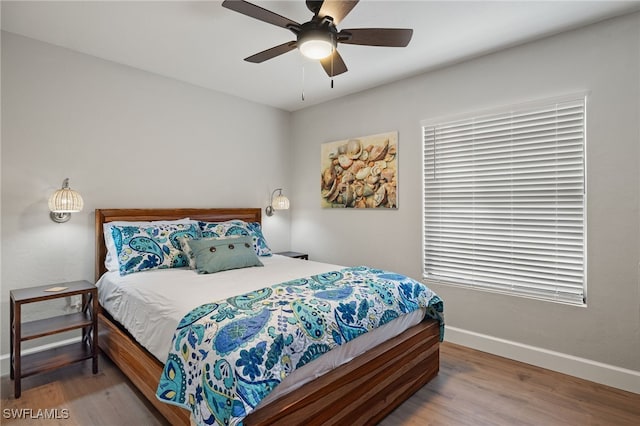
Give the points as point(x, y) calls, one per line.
point(111, 260)
point(237, 227)
point(141, 248)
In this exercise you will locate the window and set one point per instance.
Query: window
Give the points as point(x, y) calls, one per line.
point(504, 201)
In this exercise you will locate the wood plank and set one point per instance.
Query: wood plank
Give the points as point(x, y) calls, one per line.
point(475, 388)
point(103, 399)
point(47, 326)
point(352, 385)
point(472, 388)
point(51, 359)
point(307, 401)
point(39, 293)
point(139, 366)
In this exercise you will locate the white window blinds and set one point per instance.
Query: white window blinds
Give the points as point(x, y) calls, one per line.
point(504, 199)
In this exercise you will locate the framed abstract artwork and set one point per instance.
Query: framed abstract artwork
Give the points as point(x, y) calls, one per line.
point(360, 173)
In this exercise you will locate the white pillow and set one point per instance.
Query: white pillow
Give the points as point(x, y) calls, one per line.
point(111, 259)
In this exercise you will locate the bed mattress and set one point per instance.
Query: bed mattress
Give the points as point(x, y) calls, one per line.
point(150, 305)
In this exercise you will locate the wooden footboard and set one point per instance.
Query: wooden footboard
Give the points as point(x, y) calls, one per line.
point(365, 390)
point(362, 391)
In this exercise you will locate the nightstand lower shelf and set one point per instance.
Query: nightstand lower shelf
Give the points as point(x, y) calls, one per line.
point(54, 358)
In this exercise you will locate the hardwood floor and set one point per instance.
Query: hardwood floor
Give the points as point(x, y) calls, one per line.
point(472, 388)
point(104, 399)
point(476, 388)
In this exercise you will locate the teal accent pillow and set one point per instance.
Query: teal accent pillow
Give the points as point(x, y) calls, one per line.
point(186, 248)
point(221, 254)
point(140, 248)
point(237, 227)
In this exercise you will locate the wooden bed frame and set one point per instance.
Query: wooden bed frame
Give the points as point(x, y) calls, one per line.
point(362, 391)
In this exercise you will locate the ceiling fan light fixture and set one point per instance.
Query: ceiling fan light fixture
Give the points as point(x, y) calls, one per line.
point(318, 38)
point(316, 45)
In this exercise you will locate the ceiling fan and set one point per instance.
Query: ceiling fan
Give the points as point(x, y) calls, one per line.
point(318, 38)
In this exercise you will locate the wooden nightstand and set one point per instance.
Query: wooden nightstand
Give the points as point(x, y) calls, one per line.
point(86, 320)
point(294, 254)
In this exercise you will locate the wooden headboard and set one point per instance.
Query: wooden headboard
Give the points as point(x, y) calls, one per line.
point(134, 215)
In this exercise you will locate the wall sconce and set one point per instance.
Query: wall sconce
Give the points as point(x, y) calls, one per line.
point(63, 202)
point(279, 202)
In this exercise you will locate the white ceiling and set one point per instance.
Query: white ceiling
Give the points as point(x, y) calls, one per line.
point(202, 43)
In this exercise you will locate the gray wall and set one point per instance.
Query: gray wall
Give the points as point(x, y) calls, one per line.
point(602, 59)
point(125, 138)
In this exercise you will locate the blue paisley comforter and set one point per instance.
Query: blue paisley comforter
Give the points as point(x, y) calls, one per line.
point(227, 356)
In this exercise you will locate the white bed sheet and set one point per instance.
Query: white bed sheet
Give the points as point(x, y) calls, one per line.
point(151, 304)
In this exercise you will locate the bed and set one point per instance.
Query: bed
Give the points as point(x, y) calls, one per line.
point(362, 391)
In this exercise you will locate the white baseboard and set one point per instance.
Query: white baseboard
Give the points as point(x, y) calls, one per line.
point(610, 375)
point(4, 358)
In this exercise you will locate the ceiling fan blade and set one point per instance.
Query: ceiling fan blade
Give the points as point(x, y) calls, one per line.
point(271, 53)
point(259, 13)
point(337, 9)
point(389, 37)
point(337, 67)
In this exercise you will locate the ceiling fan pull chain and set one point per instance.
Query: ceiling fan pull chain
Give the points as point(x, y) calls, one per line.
point(302, 82)
point(333, 55)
